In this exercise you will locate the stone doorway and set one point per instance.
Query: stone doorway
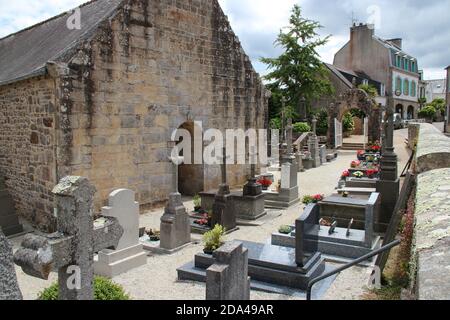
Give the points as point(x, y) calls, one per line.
point(191, 176)
point(411, 112)
point(399, 109)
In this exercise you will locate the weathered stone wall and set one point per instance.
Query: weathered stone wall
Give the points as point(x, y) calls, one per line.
point(430, 265)
point(156, 65)
point(433, 149)
point(431, 252)
point(27, 147)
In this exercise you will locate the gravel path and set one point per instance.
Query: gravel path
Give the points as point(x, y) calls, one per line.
point(157, 280)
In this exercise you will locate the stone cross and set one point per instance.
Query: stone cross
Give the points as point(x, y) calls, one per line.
point(228, 279)
point(9, 288)
point(176, 161)
point(224, 188)
point(289, 149)
point(314, 125)
point(71, 249)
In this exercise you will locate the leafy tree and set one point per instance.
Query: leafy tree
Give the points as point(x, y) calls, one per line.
point(428, 112)
point(369, 89)
point(439, 105)
point(298, 72)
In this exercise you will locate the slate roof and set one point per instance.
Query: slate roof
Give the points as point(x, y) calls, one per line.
point(25, 53)
point(337, 72)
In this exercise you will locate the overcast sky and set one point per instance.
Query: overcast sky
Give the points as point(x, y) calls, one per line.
point(424, 25)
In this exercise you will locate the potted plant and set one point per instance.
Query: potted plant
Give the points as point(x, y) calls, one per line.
point(265, 183)
point(307, 200)
point(285, 230)
point(197, 203)
point(213, 239)
point(355, 164)
point(371, 173)
point(345, 174)
point(358, 174)
point(154, 235)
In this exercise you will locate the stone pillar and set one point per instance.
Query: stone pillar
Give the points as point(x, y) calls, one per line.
point(9, 288)
point(228, 279)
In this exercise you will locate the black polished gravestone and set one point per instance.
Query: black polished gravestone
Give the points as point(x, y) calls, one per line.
point(271, 267)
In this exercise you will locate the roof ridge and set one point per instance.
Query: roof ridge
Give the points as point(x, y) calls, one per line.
point(47, 20)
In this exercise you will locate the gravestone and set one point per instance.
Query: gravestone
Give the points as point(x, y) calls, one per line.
point(323, 154)
point(389, 184)
point(313, 145)
point(71, 249)
point(227, 279)
point(9, 221)
point(289, 193)
point(222, 213)
point(175, 223)
point(337, 243)
point(129, 253)
point(271, 267)
point(9, 288)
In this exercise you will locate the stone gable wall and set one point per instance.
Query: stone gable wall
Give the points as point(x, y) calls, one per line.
point(155, 66)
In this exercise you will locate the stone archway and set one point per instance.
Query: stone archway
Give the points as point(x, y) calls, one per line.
point(356, 99)
point(191, 176)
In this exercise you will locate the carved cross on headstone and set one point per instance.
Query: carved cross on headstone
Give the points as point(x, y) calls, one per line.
point(289, 149)
point(176, 161)
point(224, 188)
point(71, 250)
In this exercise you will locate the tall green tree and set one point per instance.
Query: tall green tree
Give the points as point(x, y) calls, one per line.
point(298, 74)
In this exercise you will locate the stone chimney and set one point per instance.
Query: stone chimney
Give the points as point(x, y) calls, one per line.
point(398, 42)
point(362, 31)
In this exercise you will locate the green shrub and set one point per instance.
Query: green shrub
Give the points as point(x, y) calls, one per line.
point(322, 123)
point(301, 127)
point(275, 124)
point(213, 239)
point(104, 289)
point(197, 201)
point(428, 112)
point(347, 123)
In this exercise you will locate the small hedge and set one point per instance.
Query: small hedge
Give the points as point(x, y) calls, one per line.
point(301, 127)
point(104, 289)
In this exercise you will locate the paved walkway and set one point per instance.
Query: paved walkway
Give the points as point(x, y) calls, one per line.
point(158, 279)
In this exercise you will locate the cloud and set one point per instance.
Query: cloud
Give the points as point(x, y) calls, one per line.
point(423, 25)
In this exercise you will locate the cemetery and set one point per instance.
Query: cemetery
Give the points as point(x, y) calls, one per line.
point(106, 192)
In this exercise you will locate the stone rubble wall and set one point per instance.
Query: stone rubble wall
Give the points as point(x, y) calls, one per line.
point(27, 147)
point(431, 255)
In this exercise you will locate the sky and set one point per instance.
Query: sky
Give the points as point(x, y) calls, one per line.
point(423, 25)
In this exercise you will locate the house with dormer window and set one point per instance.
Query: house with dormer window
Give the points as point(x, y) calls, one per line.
point(384, 61)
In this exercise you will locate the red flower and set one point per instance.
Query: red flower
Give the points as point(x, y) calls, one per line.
point(345, 174)
point(355, 164)
point(361, 152)
point(318, 197)
point(265, 182)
